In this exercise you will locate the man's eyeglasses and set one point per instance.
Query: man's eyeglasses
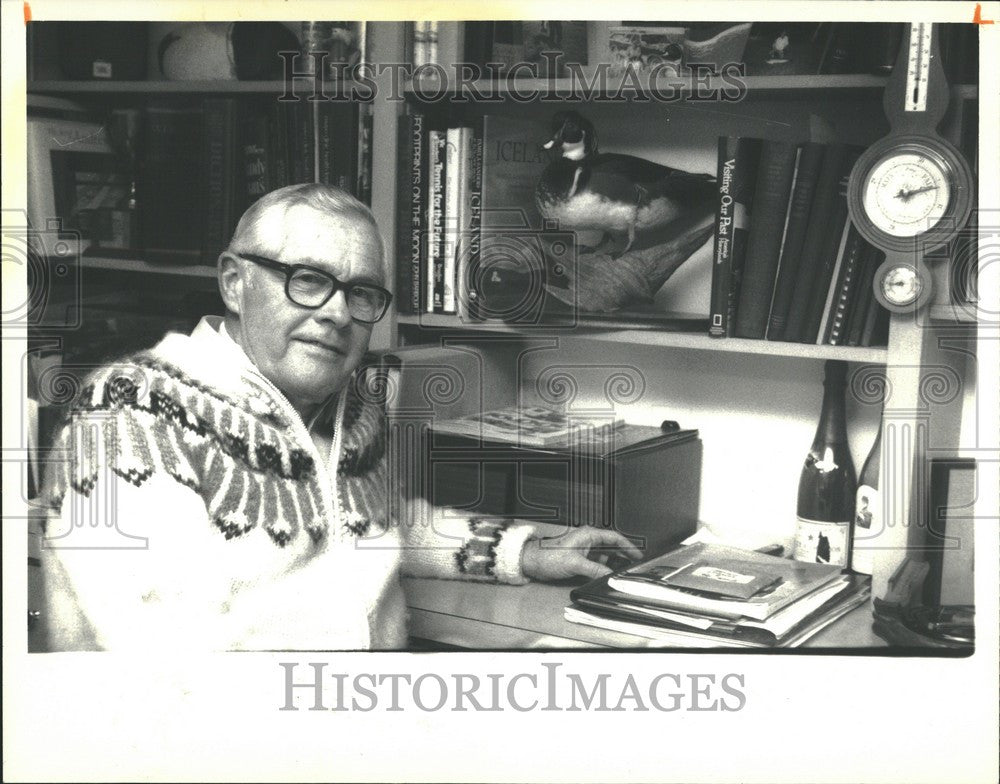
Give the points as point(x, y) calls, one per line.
point(312, 288)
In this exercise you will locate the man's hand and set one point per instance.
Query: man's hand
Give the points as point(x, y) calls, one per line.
point(581, 551)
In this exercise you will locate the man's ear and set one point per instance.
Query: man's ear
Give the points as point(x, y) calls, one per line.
point(231, 282)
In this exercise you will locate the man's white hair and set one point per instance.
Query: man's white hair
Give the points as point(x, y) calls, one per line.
point(251, 235)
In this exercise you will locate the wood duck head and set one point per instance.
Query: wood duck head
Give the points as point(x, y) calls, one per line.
point(572, 135)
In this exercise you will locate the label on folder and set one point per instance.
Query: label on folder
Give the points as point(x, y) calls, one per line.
point(723, 578)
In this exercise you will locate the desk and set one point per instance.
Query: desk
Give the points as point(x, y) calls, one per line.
point(485, 616)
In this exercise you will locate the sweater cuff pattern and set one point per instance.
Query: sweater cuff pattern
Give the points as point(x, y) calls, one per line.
point(494, 551)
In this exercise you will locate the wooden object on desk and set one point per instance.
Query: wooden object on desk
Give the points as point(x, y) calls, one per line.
point(641, 481)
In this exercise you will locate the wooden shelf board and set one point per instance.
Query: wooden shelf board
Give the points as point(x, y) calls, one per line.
point(138, 265)
point(651, 337)
point(302, 86)
point(753, 83)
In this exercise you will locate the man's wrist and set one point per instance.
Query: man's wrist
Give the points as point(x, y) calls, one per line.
point(531, 557)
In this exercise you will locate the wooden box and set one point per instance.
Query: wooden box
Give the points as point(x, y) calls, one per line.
point(641, 481)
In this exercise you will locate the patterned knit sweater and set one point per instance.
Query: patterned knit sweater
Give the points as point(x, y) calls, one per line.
point(193, 509)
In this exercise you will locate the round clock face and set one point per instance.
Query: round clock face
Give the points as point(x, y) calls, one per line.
point(901, 286)
point(907, 193)
point(907, 189)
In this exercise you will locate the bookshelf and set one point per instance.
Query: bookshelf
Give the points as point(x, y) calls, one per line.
point(571, 87)
point(653, 337)
point(761, 391)
point(195, 273)
point(160, 87)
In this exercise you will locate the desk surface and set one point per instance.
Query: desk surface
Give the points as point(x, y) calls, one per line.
point(518, 617)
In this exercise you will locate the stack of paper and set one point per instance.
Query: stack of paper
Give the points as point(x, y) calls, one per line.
point(710, 595)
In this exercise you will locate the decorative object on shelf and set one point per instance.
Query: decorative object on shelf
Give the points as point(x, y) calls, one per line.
point(645, 47)
point(338, 45)
point(610, 192)
point(74, 176)
point(219, 50)
point(912, 190)
point(715, 44)
point(552, 45)
point(785, 48)
point(600, 283)
point(778, 48)
point(192, 50)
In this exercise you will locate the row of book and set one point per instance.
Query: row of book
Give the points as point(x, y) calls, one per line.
point(788, 263)
point(711, 595)
point(244, 149)
point(461, 181)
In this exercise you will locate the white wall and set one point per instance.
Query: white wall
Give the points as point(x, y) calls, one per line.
point(757, 417)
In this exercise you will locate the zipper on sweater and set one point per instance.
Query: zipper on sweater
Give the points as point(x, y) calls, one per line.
point(331, 498)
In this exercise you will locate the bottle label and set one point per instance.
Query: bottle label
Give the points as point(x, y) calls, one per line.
point(818, 541)
point(867, 525)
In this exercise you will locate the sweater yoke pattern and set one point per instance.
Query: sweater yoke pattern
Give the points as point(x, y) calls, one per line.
point(235, 451)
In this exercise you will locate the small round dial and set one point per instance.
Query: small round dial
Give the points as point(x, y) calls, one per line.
point(907, 193)
point(901, 286)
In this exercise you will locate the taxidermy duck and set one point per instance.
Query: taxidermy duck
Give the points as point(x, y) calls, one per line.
point(597, 282)
point(611, 192)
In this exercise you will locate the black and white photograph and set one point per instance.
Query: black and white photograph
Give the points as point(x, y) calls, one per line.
point(501, 393)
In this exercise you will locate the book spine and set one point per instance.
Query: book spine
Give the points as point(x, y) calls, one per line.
point(465, 158)
point(859, 308)
point(810, 160)
point(404, 207)
point(256, 166)
point(452, 195)
point(820, 217)
point(846, 285)
point(171, 213)
point(774, 182)
point(278, 151)
point(471, 276)
point(722, 270)
point(364, 171)
point(324, 162)
point(743, 210)
point(837, 217)
point(344, 144)
point(300, 143)
point(435, 223)
point(829, 304)
point(215, 154)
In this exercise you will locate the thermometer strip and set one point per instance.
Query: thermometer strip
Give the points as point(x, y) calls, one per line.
point(918, 67)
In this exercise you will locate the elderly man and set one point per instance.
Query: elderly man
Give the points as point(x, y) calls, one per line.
point(228, 489)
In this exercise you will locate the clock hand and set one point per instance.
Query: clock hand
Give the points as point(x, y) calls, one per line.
point(907, 195)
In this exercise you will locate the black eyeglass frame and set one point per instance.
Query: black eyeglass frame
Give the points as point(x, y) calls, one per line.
point(338, 285)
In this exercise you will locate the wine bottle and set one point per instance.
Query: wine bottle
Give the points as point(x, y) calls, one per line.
point(827, 484)
point(867, 512)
